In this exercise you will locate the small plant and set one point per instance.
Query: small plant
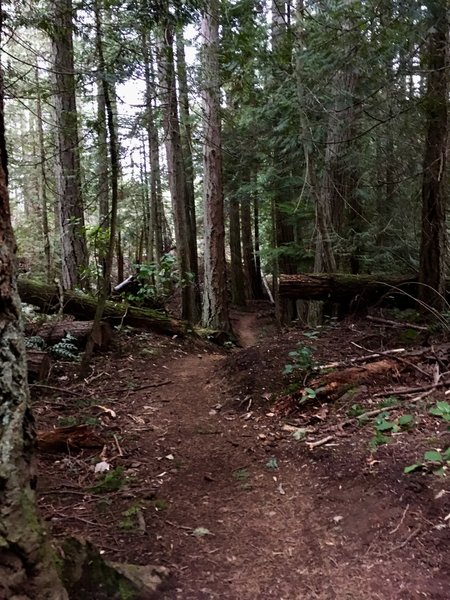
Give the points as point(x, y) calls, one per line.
point(384, 426)
point(111, 481)
point(241, 475)
point(442, 410)
point(66, 348)
point(35, 342)
point(129, 520)
point(308, 394)
point(301, 360)
point(388, 402)
point(272, 464)
point(160, 504)
point(438, 462)
point(356, 410)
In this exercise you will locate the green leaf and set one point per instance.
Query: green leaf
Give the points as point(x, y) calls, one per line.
point(310, 393)
point(440, 472)
point(384, 425)
point(201, 532)
point(412, 468)
point(446, 454)
point(288, 369)
point(299, 434)
point(272, 463)
point(433, 456)
point(405, 420)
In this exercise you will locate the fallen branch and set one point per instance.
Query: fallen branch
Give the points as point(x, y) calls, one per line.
point(392, 323)
point(321, 442)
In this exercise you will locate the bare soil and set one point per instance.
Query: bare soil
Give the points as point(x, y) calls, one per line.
point(217, 487)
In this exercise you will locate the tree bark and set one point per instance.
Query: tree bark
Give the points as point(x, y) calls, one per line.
point(175, 166)
point(215, 301)
point(156, 204)
point(186, 142)
point(433, 250)
point(74, 256)
point(26, 563)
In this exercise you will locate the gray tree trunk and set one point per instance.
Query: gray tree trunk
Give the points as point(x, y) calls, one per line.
point(215, 301)
point(74, 254)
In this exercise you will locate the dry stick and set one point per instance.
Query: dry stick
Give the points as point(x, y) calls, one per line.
point(401, 521)
point(119, 449)
point(396, 323)
point(399, 358)
point(56, 389)
point(357, 359)
point(152, 385)
point(413, 390)
point(321, 442)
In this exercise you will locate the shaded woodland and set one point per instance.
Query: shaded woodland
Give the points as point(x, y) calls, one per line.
point(166, 164)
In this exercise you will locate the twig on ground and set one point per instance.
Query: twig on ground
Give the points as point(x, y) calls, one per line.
point(397, 323)
point(401, 521)
point(321, 442)
point(393, 354)
point(411, 390)
point(357, 359)
point(56, 389)
point(178, 526)
point(150, 385)
point(119, 449)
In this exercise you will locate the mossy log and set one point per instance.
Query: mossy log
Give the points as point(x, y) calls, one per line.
point(82, 307)
point(345, 288)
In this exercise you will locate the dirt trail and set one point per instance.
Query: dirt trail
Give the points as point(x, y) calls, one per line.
point(279, 524)
point(235, 506)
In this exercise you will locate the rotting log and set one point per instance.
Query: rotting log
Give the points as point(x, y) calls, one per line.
point(52, 333)
point(82, 307)
point(345, 288)
point(38, 365)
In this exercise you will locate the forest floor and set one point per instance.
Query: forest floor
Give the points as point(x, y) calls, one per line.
point(212, 477)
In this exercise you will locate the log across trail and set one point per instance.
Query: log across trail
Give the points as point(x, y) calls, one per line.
point(367, 289)
point(47, 298)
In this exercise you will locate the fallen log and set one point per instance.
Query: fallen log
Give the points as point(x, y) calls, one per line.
point(68, 439)
point(82, 306)
point(52, 333)
point(38, 365)
point(345, 288)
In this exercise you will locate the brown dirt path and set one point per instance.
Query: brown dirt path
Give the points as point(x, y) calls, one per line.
point(239, 510)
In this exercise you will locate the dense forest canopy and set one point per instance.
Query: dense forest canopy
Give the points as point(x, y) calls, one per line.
point(328, 113)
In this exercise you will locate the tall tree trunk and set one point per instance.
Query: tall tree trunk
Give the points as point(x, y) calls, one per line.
point(102, 177)
point(74, 254)
point(156, 204)
point(42, 179)
point(175, 166)
point(248, 251)
point(215, 301)
point(114, 170)
point(433, 251)
point(237, 273)
point(186, 143)
point(283, 230)
point(26, 564)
